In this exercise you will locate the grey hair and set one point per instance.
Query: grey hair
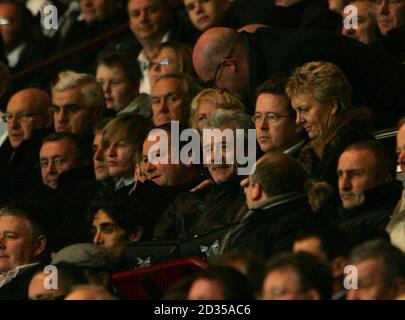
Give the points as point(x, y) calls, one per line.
point(225, 118)
point(189, 86)
point(92, 91)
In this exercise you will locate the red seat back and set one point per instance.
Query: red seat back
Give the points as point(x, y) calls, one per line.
point(152, 282)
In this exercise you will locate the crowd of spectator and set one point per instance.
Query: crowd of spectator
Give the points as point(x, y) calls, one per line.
point(248, 129)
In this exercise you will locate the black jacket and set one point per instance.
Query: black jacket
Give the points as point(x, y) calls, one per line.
point(370, 219)
point(377, 79)
point(17, 289)
point(271, 228)
point(201, 212)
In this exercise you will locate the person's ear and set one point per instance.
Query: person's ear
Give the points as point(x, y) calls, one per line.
point(334, 104)
point(136, 235)
point(337, 266)
point(256, 192)
point(40, 245)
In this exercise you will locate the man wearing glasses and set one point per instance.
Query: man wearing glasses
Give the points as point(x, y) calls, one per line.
point(28, 121)
point(274, 119)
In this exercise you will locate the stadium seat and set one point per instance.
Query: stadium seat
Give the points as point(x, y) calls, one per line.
point(151, 283)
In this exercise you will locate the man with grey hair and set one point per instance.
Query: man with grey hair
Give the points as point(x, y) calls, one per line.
point(215, 206)
point(78, 103)
point(380, 269)
point(171, 98)
point(24, 236)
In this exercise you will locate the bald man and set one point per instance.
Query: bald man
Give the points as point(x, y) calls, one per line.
point(240, 62)
point(28, 121)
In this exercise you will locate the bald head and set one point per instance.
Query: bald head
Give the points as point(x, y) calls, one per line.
point(27, 110)
point(219, 56)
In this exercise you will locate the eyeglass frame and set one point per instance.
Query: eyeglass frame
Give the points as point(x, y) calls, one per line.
point(277, 116)
point(163, 62)
point(213, 83)
point(20, 116)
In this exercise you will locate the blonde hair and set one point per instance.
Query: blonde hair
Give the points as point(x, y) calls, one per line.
point(324, 80)
point(222, 100)
point(130, 128)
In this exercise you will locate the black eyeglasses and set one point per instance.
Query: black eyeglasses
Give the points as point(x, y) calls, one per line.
point(212, 83)
point(271, 117)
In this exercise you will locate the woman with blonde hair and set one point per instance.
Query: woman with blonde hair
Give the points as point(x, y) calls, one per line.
point(321, 96)
point(209, 100)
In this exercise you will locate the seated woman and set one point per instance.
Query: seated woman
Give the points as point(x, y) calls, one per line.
point(122, 143)
point(209, 100)
point(115, 224)
point(321, 95)
point(171, 58)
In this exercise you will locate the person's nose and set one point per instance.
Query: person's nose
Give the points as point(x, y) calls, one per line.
point(111, 151)
point(198, 7)
point(107, 87)
point(14, 123)
point(99, 154)
point(149, 167)
point(98, 238)
point(162, 106)
point(263, 123)
point(385, 8)
point(144, 16)
point(345, 182)
point(2, 242)
point(62, 116)
point(299, 119)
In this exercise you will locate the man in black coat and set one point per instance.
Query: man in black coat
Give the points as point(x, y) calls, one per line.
point(241, 62)
point(368, 192)
point(28, 121)
point(277, 204)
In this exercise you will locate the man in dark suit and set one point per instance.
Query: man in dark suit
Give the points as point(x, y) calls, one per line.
point(24, 240)
point(241, 62)
point(28, 121)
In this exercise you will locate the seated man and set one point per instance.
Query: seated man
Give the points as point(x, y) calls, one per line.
point(380, 270)
point(23, 42)
point(171, 98)
point(368, 191)
point(164, 181)
point(297, 276)
point(114, 225)
point(274, 119)
point(60, 152)
point(24, 234)
point(366, 30)
point(28, 121)
point(216, 206)
point(329, 245)
point(98, 17)
point(397, 223)
point(277, 205)
point(391, 22)
point(78, 104)
point(119, 75)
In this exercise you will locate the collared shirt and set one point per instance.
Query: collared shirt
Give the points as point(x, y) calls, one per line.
point(294, 148)
point(6, 277)
point(14, 56)
point(122, 183)
point(144, 86)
